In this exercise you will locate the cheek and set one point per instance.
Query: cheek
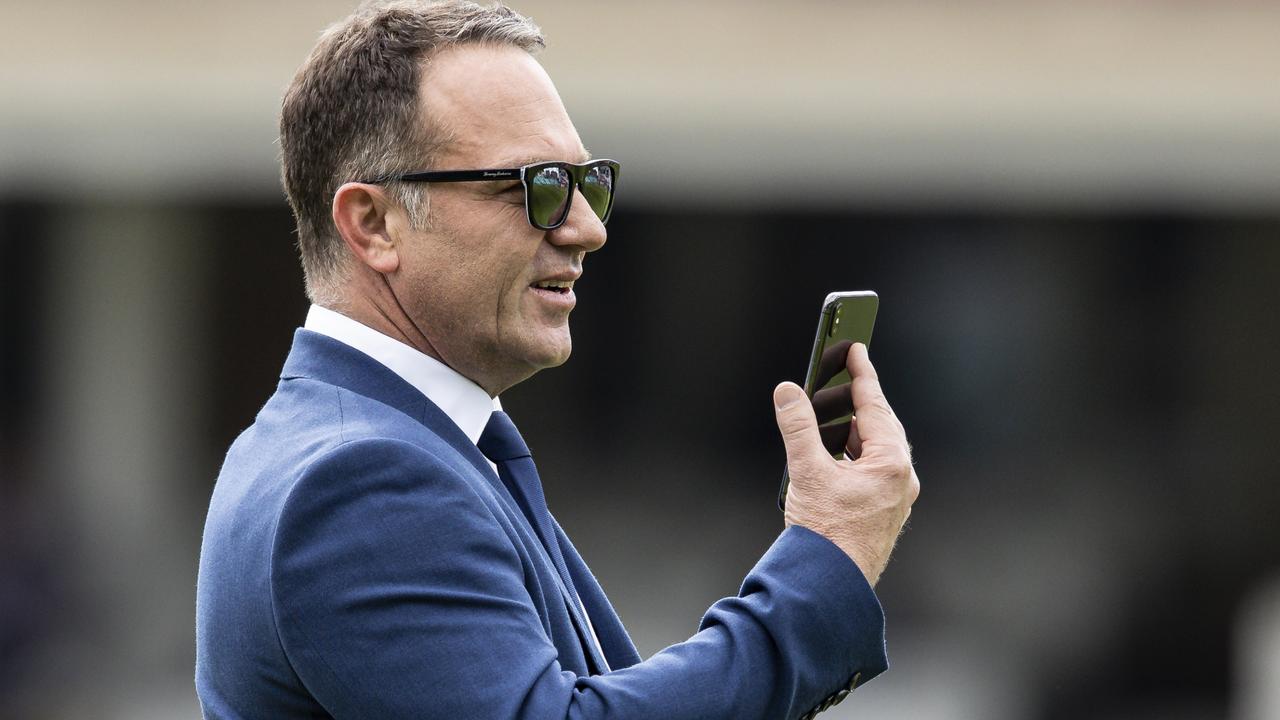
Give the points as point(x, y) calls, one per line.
point(478, 288)
point(506, 266)
point(482, 268)
point(510, 286)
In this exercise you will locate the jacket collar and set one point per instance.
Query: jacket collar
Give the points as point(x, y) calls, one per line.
point(319, 357)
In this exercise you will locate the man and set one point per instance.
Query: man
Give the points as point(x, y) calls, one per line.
point(377, 544)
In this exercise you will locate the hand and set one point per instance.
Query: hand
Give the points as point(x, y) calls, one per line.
point(861, 503)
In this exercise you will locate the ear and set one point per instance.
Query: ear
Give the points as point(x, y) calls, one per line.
point(360, 214)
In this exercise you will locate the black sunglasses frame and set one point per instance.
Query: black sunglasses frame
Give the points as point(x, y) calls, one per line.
point(578, 173)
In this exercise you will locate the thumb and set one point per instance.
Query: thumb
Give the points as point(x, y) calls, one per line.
point(798, 425)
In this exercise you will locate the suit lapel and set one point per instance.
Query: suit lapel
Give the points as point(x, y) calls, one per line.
point(617, 645)
point(323, 358)
point(545, 526)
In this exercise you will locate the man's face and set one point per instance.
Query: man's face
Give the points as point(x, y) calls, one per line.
point(468, 281)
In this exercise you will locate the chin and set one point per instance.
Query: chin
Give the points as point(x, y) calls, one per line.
point(558, 358)
point(529, 352)
point(555, 352)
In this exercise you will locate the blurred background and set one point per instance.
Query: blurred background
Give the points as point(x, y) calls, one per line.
point(1071, 211)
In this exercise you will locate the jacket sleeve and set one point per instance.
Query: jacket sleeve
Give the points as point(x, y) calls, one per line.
point(397, 594)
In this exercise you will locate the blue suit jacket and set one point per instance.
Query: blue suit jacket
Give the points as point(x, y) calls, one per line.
point(361, 559)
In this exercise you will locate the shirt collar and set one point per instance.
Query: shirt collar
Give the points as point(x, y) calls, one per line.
point(466, 403)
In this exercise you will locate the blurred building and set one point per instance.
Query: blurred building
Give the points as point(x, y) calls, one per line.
point(1071, 212)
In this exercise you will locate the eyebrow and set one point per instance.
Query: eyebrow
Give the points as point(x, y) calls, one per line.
point(585, 156)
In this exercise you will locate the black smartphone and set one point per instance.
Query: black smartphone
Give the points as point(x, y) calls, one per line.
point(846, 318)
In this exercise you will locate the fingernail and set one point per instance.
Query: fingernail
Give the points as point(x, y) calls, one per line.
point(786, 396)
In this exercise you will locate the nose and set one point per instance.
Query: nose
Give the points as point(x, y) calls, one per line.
point(582, 228)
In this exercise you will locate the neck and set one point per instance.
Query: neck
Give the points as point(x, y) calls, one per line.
point(374, 304)
point(390, 321)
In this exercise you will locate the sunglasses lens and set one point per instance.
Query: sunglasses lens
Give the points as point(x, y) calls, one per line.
point(548, 195)
point(597, 188)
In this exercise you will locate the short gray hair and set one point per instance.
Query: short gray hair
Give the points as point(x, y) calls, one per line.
point(351, 113)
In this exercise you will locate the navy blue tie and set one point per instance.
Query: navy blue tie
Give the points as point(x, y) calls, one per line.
point(502, 444)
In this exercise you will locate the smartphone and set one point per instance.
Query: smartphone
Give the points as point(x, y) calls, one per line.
point(846, 318)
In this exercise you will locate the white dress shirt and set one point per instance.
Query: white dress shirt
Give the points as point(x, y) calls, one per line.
point(466, 403)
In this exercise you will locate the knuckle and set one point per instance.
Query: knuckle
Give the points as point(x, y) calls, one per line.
point(793, 424)
point(870, 385)
point(901, 462)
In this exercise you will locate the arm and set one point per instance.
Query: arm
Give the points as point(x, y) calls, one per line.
point(398, 594)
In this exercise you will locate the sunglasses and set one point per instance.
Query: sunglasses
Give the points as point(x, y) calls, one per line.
point(548, 187)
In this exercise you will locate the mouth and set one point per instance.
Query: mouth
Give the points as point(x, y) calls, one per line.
point(559, 287)
point(556, 292)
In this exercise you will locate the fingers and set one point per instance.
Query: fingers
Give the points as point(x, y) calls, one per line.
point(833, 360)
point(833, 402)
point(840, 439)
point(835, 438)
point(798, 425)
point(854, 444)
point(876, 422)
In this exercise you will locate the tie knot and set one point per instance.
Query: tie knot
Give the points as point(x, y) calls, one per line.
point(500, 440)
